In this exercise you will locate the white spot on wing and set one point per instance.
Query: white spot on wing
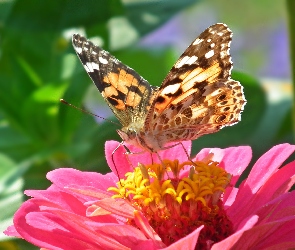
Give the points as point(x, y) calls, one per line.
point(209, 54)
point(171, 89)
point(95, 66)
point(198, 41)
point(192, 59)
point(87, 68)
point(78, 50)
point(181, 62)
point(186, 60)
point(91, 66)
point(103, 60)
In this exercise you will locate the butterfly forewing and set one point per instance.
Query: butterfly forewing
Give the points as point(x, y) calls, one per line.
point(198, 97)
point(125, 91)
point(203, 62)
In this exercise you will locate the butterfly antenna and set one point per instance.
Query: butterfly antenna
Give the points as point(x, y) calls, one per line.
point(87, 112)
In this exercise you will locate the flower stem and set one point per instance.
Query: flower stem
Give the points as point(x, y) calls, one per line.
point(290, 6)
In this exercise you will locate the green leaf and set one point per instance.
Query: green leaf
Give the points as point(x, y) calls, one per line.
point(11, 195)
point(285, 132)
point(78, 83)
point(15, 144)
point(96, 135)
point(58, 15)
point(40, 113)
point(5, 9)
point(148, 15)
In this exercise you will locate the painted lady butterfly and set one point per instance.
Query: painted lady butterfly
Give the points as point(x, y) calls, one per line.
point(197, 97)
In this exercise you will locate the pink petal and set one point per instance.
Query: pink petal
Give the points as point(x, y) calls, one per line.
point(277, 232)
point(11, 231)
point(89, 191)
point(283, 245)
point(146, 245)
point(234, 159)
point(144, 226)
point(248, 223)
point(67, 176)
point(179, 151)
point(279, 183)
point(246, 202)
point(263, 236)
point(119, 207)
point(204, 153)
point(267, 164)
point(59, 229)
point(187, 243)
point(59, 200)
point(229, 196)
point(43, 231)
point(96, 211)
point(111, 236)
point(230, 241)
point(279, 208)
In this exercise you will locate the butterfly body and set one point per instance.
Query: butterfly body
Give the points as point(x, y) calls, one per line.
point(197, 97)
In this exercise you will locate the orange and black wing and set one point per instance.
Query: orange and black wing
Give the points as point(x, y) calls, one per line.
point(125, 91)
point(198, 97)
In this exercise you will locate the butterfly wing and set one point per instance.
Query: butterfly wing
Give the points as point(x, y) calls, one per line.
point(198, 97)
point(126, 92)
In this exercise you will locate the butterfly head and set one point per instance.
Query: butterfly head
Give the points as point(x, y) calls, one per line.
point(127, 134)
point(139, 139)
point(130, 136)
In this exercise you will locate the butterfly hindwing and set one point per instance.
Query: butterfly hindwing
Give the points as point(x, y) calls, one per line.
point(200, 115)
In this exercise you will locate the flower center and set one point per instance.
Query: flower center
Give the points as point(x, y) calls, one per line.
point(179, 198)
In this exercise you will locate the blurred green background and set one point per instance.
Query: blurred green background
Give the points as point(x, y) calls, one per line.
point(38, 66)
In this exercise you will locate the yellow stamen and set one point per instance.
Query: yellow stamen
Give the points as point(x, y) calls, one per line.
point(146, 183)
point(176, 206)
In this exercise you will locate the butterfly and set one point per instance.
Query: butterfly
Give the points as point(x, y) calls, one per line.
point(197, 97)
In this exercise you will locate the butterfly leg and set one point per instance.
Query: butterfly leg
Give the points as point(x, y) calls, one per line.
point(113, 153)
point(160, 159)
point(188, 156)
point(185, 151)
point(127, 153)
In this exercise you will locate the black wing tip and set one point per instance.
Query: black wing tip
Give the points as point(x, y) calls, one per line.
point(79, 41)
point(77, 38)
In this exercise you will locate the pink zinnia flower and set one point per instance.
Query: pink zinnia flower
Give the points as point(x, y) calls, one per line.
point(184, 205)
